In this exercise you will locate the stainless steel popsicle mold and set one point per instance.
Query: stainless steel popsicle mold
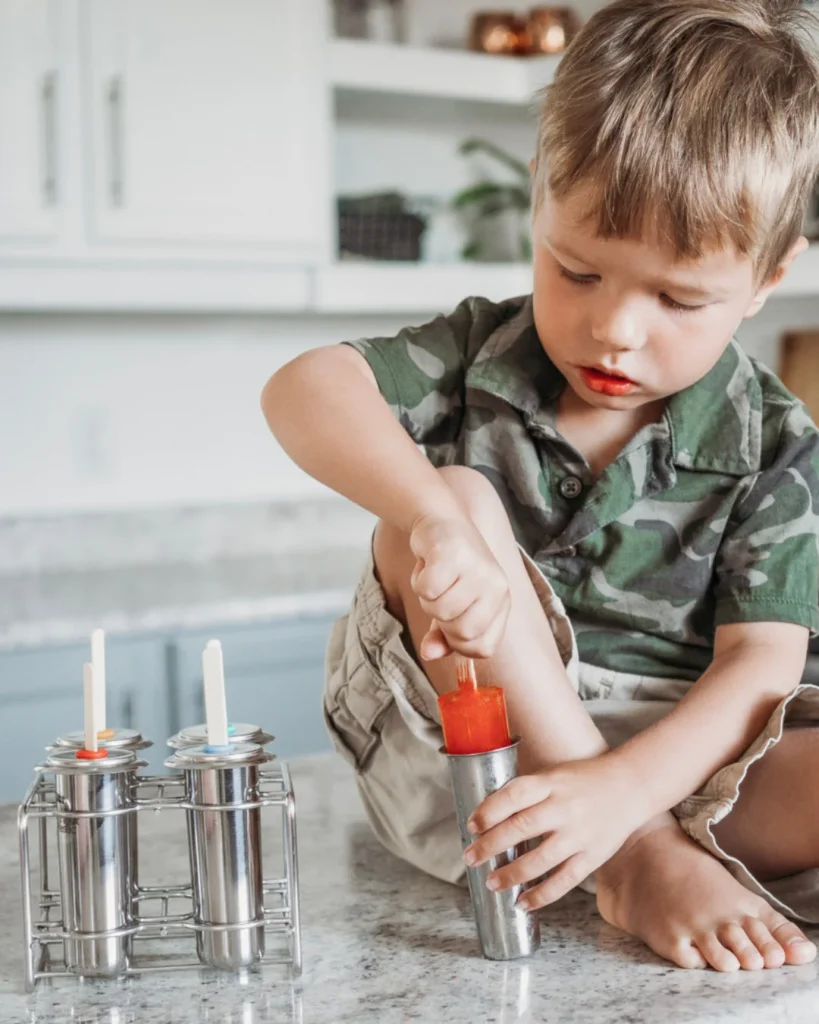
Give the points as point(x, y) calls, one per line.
point(95, 802)
point(505, 931)
point(225, 848)
point(118, 740)
point(93, 918)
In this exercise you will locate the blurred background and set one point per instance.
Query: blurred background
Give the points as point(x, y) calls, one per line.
point(192, 192)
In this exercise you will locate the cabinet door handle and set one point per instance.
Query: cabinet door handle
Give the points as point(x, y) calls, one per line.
point(114, 99)
point(48, 104)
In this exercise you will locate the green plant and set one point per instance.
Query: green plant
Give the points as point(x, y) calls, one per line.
point(489, 198)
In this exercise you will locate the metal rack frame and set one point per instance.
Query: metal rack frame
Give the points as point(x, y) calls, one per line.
point(153, 793)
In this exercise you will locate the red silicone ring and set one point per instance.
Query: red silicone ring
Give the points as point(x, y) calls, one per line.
point(91, 755)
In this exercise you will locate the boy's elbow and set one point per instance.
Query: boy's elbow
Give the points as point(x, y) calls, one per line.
point(266, 399)
point(286, 385)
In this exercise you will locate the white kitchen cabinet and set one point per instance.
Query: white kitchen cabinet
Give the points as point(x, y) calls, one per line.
point(206, 121)
point(30, 116)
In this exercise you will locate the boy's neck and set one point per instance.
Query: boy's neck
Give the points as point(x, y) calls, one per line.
point(599, 435)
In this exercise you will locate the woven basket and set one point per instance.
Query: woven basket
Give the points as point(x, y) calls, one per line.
point(381, 236)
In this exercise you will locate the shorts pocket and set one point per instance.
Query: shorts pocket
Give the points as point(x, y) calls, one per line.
point(355, 700)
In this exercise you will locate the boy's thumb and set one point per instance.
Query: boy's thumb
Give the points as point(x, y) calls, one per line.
point(434, 644)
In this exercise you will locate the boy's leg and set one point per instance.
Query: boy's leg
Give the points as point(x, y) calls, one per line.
point(774, 827)
point(660, 886)
point(527, 663)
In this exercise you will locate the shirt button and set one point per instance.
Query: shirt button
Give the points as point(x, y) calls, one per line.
point(570, 551)
point(570, 487)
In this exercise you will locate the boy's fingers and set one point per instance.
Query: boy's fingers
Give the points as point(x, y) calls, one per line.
point(432, 581)
point(515, 796)
point(485, 644)
point(567, 877)
point(480, 648)
point(460, 613)
point(551, 853)
point(526, 824)
point(450, 608)
point(520, 871)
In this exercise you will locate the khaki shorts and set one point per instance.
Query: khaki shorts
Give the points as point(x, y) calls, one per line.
point(382, 714)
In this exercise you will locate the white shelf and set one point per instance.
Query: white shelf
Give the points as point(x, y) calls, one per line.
point(448, 74)
point(415, 288)
point(154, 289)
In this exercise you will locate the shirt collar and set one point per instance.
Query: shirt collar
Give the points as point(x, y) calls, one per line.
point(714, 426)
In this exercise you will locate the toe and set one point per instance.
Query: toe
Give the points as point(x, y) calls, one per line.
point(686, 955)
point(798, 948)
point(734, 937)
point(759, 933)
point(720, 958)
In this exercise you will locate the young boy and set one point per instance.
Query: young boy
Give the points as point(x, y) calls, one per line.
point(617, 511)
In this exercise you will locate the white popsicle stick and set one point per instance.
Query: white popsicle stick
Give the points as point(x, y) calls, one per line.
point(90, 707)
point(98, 661)
point(215, 701)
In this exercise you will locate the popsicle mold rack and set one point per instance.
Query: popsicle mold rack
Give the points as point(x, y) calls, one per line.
point(92, 916)
point(151, 919)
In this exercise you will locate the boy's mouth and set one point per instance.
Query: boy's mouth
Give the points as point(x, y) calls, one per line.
point(606, 383)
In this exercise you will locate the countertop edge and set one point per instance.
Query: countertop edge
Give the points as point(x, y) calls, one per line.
point(41, 633)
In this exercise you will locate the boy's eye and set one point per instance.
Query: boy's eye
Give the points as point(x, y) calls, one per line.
point(677, 307)
point(672, 304)
point(578, 278)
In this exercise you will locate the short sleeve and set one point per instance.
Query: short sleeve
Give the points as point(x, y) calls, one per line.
point(421, 371)
point(767, 566)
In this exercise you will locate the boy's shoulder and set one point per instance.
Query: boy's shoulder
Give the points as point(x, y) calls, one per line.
point(740, 418)
point(782, 415)
point(476, 321)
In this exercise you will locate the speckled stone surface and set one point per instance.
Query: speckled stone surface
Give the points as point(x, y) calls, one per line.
point(61, 607)
point(172, 569)
point(384, 944)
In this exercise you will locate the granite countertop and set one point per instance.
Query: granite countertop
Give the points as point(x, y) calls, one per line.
point(65, 606)
point(384, 944)
point(165, 570)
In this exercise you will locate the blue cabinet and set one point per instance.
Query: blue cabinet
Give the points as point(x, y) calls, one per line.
point(41, 698)
point(274, 674)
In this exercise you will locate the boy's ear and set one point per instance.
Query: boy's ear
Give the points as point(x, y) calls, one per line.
point(765, 290)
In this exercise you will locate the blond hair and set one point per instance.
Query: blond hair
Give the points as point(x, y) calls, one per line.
point(698, 119)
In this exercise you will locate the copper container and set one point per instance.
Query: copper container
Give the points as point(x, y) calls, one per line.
point(551, 29)
point(498, 32)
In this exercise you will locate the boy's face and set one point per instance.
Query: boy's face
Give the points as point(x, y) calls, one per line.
point(624, 321)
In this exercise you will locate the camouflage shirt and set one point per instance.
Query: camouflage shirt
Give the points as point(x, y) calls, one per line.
point(706, 517)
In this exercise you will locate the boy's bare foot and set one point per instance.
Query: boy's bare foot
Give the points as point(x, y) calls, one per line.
point(677, 898)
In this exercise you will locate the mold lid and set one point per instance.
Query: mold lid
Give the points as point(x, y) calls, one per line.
point(203, 757)
point(66, 762)
point(111, 739)
point(238, 732)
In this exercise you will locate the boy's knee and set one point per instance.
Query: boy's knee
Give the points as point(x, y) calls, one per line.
point(478, 497)
point(394, 560)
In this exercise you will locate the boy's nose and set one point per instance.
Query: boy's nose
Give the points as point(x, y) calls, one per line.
point(619, 326)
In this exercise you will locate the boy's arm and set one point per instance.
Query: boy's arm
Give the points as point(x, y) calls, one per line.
point(755, 665)
point(765, 591)
point(326, 411)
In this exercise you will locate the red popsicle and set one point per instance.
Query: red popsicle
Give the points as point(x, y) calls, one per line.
point(473, 717)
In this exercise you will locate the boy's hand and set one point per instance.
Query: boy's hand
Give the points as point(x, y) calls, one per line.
point(585, 811)
point(459, 583)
